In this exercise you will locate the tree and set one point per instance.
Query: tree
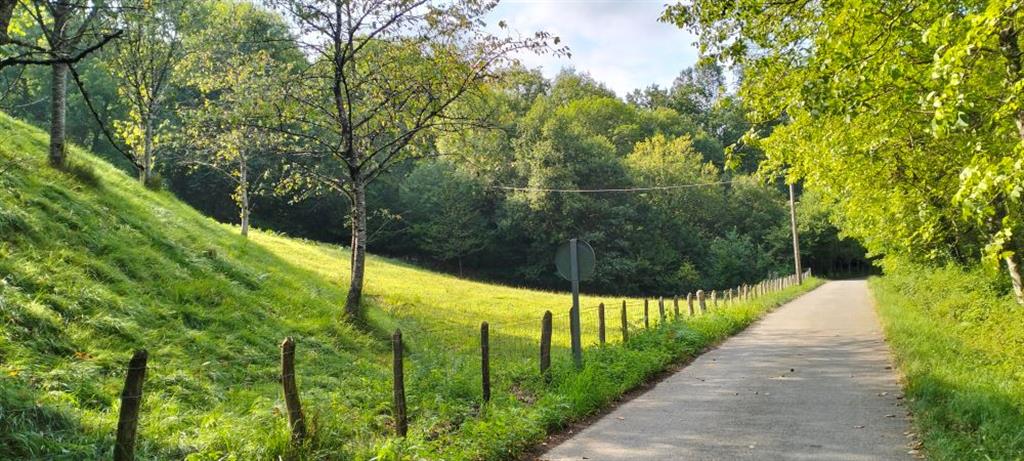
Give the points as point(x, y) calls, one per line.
point(445, 209)
point(143, 63)
point(383, 73)
point(906, 114)
point(67, 32)
point(224, 132)
point(239, 56)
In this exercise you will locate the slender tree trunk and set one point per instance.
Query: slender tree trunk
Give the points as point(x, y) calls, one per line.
point(6, 13)
point(146, 171)
point(243, 195)
point(1013, 267)
point(58, 113)
point(1010, 47)
point(355, 290)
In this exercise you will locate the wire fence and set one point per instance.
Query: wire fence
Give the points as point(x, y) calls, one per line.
point(498, 351)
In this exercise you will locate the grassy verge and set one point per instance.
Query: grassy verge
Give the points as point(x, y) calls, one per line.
point(960, 345)
point(93, 266)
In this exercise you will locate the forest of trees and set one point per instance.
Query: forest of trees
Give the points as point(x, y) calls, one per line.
point(225, 103)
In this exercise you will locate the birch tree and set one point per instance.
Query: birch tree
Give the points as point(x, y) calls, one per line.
point(239, 55)
point(143, 62)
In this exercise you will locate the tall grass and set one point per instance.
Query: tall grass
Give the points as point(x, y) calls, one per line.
point(959, 342)
point(93, 266)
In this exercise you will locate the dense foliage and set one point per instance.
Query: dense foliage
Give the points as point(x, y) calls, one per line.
point(905, 115)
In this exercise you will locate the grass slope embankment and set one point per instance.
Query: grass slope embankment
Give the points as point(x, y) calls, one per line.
point(93, 266)
point(959, 344)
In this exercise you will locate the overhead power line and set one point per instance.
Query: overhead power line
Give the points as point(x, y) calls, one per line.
point(612, 190)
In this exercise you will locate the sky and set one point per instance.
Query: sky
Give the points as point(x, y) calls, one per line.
point(618, 42)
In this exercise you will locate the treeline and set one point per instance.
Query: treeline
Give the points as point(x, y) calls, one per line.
point(201, 97)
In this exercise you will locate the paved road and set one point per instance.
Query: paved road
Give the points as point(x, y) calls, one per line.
point(811, 381)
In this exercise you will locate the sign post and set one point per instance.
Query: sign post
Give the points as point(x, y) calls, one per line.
point(574, 319)
point(575, 262)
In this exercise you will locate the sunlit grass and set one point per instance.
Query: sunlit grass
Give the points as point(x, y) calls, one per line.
point(958, 345)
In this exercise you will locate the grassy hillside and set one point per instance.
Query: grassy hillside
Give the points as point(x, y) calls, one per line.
point(960, 345)
point(92, 266)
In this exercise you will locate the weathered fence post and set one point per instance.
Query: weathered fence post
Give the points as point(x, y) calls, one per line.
point(131, 400)
point(485, 361)
point(675, 306)
point(398, 384)
point(689, 302)
point(700, 300)
point(647, 317)
point(661, 308)
point(600, 323)
point(296, 421)
point(625, 324)
point(714, 298)
point(545, 343)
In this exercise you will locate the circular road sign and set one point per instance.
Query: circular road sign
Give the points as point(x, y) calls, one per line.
point(584, 256)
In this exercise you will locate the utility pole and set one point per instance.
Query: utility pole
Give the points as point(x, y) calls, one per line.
point(796, 236)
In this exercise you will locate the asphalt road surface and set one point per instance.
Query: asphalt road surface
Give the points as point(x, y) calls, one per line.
point(811, 381)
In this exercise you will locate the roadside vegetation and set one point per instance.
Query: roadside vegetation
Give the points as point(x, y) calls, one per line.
point(906, 119)
point(94, 266)
point(957, 338)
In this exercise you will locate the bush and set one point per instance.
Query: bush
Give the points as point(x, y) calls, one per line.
point(155, 182)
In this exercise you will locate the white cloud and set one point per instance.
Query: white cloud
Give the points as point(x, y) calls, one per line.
point(619, 42)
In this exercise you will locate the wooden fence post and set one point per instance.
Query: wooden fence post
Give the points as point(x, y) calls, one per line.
point(647, 317)
point(398, 384)
point(485, 361)
point(689, 302)
point(600, 323)
point(714, 298)
point(625, 324)
point(296, 421)
point(701, 302)
point(545, 343)
point(675, 305)
point(131, 400)
point(661, 308)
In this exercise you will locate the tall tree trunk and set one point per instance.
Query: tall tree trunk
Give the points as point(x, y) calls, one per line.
point(1013, 267)
point(355, 290)
point(58, 113)
point(146, 172)
point(243, 194)
point(6, 13)
point(1009, 44)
